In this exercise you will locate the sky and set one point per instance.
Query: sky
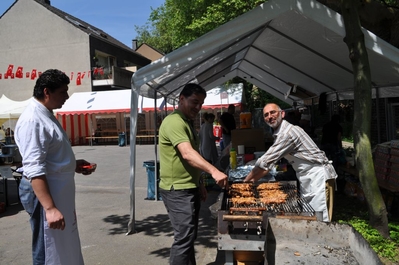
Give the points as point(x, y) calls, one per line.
point(117, 18)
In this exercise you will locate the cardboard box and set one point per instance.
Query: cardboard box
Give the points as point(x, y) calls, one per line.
point(252, 139)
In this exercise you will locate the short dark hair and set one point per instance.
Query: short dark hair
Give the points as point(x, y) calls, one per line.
point(51, 79)
point(335, 118)
point(192, 88)
point(210, 116)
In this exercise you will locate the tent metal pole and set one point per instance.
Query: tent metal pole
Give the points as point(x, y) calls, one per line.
point(125, 125)
point(166, 107)
point(133, 130)
point(155, 145)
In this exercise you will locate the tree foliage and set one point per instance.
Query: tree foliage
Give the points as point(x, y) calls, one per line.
point(178, 22)
point(260, 98)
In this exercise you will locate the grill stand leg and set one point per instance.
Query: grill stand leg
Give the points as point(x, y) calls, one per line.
point(229, 257)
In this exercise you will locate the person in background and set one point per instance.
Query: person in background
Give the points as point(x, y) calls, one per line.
point(180, 167)
point(228, 123)
point(203, 120)
point(9, 132)
point(208, 148)
point(9, 136)
point(97, 133)
point(314, 171)
point(305, 124)
point(47, 188)
point(331, 144)
point(331, 140)
point(2, 135)
point(292, 118)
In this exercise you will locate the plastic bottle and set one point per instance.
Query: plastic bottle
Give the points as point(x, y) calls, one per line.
point(233, 158)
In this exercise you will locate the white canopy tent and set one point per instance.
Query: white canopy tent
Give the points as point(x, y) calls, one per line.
point(293, 49)
point(120, 101)
point(76, 115)
point(220, 97)
point(10, 111)
point(97, 102)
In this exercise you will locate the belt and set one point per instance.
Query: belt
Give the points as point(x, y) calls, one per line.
point(186, 190)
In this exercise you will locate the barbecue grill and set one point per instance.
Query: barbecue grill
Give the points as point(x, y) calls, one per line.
point(243, 227)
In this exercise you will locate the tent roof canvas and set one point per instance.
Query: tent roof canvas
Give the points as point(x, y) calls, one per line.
point(10, 109)
point(293, 49)
point(219, 97)
point(97, 102)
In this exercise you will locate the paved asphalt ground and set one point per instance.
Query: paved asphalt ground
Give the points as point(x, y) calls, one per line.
point(103, 210)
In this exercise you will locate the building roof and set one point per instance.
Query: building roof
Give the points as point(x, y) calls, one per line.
point(152, 48)
point(84, 26)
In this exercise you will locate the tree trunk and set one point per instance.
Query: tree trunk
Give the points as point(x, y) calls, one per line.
point(362, 116)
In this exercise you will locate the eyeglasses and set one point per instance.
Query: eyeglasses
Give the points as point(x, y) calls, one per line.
point(272, 113)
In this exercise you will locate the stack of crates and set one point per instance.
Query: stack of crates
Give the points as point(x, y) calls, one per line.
point(393, 174)
point(386, 165)
point(382, 163)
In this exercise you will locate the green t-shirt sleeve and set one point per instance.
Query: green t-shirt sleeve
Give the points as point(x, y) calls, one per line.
point(177, 131)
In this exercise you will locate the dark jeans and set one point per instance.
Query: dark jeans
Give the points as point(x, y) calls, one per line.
point(183, 209)
point(35, 210)
point(226, 140)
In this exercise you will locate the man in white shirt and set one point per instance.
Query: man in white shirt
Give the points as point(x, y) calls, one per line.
point(47, 189)
point(314, 171)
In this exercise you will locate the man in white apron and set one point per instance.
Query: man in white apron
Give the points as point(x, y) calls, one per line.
point(47, 190)
point(314, 171)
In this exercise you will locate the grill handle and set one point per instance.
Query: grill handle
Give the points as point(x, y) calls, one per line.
point(243, 218)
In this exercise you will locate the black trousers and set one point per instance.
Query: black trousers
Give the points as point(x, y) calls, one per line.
point(183, 209)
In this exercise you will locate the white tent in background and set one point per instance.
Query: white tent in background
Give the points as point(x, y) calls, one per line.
point(96, 102)
point(78, 113)
point(218, 97)
point(221, 97)
point(10, 111)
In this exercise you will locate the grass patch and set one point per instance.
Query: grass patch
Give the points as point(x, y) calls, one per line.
point(350, 210)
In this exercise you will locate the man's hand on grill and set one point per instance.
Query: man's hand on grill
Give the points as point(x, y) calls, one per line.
point(220, 179)
point(255, 174)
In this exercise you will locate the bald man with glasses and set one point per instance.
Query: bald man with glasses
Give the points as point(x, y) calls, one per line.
point(314, 171)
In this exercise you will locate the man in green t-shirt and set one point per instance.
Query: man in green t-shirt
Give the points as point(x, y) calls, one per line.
point(180, 168)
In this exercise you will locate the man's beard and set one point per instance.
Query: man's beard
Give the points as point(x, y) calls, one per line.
point(277, 122)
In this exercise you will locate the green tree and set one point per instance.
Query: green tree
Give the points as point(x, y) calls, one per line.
point(178, 22)
point(361, 126)
point(255, 97)
point(259, 98)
